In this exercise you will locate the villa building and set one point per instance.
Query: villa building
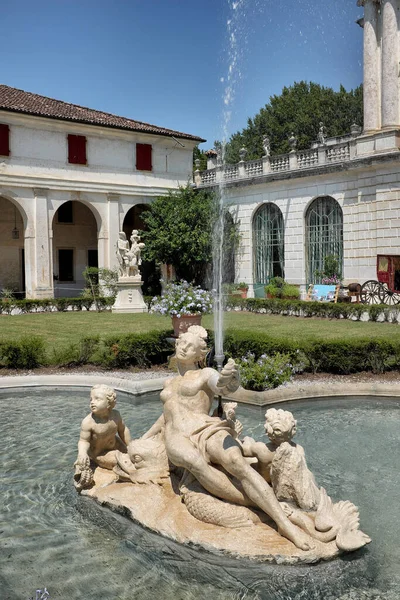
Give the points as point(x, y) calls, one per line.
point(70, 179)
point(341, 197)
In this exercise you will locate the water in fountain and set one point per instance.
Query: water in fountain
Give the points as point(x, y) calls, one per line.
point(49, 536)
point(235, 33)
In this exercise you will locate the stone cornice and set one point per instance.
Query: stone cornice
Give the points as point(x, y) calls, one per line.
point(9, 180)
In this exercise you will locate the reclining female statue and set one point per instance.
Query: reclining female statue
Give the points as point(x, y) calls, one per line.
point(207, 446)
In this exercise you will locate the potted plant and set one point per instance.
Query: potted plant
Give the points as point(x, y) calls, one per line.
point(279, 288)
point(290, 292)
point(243, 287)
point(275, 287)
point(184, 303)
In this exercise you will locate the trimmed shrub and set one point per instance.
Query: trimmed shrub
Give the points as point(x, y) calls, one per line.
point(136, 349)
point(341, 356)
point(76, 354)
point(302, 308)
point(26, 353)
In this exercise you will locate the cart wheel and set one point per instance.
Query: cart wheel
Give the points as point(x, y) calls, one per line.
point(389, 297)
point(371, 292)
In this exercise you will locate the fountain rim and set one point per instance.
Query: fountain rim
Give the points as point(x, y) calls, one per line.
point(139, 387)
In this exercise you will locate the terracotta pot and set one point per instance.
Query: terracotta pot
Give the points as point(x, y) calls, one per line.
point(243, 293)
point(182, 325)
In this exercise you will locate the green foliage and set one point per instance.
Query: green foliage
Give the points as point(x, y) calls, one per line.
point(29, 305)
point(279, 288)
point(290, 291)
point(136, 349)
point(7, 293)
point(299, 109)
point(266, 372)
point(98, 282)
point(342, 356)
point(180, 231)
point(302, 308)
point(76, 354)
point(331, 273)
point(26, 353)
point(199, 154)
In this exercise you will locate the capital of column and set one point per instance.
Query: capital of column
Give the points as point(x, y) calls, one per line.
point(40, 192)
point(112, 197)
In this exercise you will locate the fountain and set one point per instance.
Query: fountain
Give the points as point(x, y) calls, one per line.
point(191, 470)
point(74, 547)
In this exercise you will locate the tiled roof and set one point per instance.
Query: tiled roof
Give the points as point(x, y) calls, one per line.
point(15, 100)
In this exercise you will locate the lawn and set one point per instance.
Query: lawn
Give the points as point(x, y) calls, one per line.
point(63, 328)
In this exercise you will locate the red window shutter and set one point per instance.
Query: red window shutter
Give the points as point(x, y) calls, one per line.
point(4, 140)
point(143, 157)
point(77, 149)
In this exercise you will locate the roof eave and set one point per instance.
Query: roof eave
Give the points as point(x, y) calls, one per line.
point(172, 134)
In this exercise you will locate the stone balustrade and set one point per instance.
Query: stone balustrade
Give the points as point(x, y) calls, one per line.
point(334, 151)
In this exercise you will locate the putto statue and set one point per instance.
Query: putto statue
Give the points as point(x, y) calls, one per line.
point(103, 432)
point(129, 293)
point(129, 258)
point(195, 470)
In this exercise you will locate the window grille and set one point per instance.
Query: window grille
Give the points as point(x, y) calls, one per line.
point(268, 244)
point(324, 236)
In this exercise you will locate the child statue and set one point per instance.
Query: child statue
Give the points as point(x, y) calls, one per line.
point(103, 433)
point(283, 464)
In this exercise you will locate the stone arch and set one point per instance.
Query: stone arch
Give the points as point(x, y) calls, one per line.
point(149, 270)
point(76, 226)
point(268, 245)
point(13, 224)
point(323, 235)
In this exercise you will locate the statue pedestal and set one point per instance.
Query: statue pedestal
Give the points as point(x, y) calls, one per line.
point(129, 296)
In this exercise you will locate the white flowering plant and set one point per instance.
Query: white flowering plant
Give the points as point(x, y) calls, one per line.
point(182, 298)
point(267, 371)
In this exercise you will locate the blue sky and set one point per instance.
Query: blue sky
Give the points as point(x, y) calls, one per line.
point(162, 61)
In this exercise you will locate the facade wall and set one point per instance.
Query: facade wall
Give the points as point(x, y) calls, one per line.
point(370, 201)
point(38, 179)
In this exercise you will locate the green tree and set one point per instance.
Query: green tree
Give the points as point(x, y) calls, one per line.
point(197, 153)
point(180, 232)
point(299, 109)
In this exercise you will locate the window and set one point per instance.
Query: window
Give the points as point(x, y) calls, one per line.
point(143, 157)
point(4, 140)
point(65, 213)
point(93, 260)
point(77, 149)
point(66, 265)
point(324, 236)
point(268, 245)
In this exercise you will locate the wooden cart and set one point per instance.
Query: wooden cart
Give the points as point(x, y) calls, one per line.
point(386, 290)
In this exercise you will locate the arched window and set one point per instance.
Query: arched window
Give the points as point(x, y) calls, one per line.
point(268, 244)
point(324, 236)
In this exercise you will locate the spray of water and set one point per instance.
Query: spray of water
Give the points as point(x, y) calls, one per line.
point(236, 19)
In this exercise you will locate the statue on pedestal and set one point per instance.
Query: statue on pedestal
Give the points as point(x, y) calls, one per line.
point(129, 297)
point(129, 258)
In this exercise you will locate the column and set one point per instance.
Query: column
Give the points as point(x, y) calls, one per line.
point(371, 67)
point(43, 274)
point(114, 226)
point(390, 64)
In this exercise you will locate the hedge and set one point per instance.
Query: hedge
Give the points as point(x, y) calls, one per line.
point(26, 353)
point(301, 308)
point(342, 356)
point(29, 305)
point(142, 350)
